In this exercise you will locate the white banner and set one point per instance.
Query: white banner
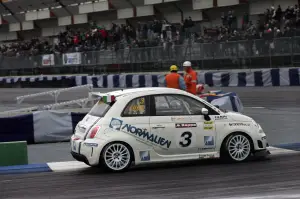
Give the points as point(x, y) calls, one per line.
point(71, 58)
point(48, 60)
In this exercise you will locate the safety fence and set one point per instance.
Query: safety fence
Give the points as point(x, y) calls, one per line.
point(278, 52)
point(258, 77)
point(40, 126)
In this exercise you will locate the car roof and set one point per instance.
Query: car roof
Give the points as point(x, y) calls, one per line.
point(141, 91)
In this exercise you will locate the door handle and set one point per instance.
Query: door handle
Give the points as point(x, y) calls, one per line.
point(158, 127)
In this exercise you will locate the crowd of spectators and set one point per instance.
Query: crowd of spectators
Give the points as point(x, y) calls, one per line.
point(152, 33)
point(275, 23)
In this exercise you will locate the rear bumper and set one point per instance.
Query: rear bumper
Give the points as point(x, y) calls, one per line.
point(79, 157)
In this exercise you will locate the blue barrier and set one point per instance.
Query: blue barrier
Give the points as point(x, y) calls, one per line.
point(258, 78)
point(28, 128)
point(18, 128)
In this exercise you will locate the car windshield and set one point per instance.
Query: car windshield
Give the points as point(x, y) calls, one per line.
point(100, 109)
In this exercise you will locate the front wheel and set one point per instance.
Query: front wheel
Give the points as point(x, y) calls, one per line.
point(237, 148)
point(116, 157)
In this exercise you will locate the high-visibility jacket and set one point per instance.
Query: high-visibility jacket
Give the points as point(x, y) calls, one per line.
point(172, 80)
point(190, 79)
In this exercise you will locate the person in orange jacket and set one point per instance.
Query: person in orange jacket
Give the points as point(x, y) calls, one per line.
point(190, 78)
point(174, 80)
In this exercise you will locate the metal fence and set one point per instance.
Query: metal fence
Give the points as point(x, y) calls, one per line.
point(279, 52)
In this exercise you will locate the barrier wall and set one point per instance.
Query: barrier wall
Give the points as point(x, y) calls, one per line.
point(39, 127)
point(258, 78)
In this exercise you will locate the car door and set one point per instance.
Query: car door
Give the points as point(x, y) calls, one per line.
point(206, 126)
point(171, 121)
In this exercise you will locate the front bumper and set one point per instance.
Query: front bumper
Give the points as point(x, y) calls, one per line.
point(262, 153)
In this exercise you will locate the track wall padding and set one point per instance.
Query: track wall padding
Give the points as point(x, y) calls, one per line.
point(39, 127)
point(256, 78)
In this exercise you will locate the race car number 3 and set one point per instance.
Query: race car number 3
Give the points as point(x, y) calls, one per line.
point(186, 139)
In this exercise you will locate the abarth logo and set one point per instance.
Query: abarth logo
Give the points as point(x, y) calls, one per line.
point(115, 124)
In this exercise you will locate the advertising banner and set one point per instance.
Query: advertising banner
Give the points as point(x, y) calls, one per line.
point(48, 60)
point(71, 58)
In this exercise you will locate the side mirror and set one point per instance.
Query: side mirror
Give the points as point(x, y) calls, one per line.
point(204, 111)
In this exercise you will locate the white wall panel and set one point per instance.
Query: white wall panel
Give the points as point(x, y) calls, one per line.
point(86, 8)
point(80, 19)
point(64, 21)
point(31, 16)
point(101, 6)
point(125, 13)
point(43, 14)
point(144, 10)
point(202, 4)
point(227, 2)
point(13, 27)
point(27, 25)
point(150, 2)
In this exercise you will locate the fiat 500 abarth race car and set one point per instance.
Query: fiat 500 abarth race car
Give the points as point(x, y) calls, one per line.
point(155, 125)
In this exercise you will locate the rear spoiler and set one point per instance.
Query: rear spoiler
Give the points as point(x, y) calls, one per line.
point(106, 98)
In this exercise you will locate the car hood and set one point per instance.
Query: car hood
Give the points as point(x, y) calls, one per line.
point(238, 117)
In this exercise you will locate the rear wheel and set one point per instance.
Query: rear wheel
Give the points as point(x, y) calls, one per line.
point(116, 157)
point(237, 148)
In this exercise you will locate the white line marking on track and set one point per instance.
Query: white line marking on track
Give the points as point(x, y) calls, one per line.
point(67, 166)
point(288, 196)
point(278, 151)
point(256, 107)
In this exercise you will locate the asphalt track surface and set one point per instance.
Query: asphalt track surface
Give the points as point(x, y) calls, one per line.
point(205, 179)
point(278, 177)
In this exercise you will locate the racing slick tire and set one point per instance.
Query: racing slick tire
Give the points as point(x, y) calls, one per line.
point(237, 147)
point(116, 157)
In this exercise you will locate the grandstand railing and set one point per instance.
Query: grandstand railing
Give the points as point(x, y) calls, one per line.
point(278, 52)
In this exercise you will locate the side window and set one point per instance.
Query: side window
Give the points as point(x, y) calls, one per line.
point(136, 107)
point(170, 105)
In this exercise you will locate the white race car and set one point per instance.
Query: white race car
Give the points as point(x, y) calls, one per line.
point(152, 125)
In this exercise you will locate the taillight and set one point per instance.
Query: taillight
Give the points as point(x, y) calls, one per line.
point(94, 131)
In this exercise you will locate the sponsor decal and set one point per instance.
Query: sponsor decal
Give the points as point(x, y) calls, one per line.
point(220, 117)
point(142, 101)
point(185, 125)
point(209, 141)
point(205, 149)
point(178, 118)
point(145, 155)
point(208, 128)
point(206, 156)
point(208, 125)
point(139, 133)
point(91, 144)
point(239, 124)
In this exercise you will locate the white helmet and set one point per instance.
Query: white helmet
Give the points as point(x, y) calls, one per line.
point(187, 63)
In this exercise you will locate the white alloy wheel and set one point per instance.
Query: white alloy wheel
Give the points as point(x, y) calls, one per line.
point(117, 157)
point(239, 147)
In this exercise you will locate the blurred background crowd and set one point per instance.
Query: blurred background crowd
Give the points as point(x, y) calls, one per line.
point(275, 23)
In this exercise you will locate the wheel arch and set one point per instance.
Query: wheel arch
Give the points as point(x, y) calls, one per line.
point(234, 133)
point(122, 142)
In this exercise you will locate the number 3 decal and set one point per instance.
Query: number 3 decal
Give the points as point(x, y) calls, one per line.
point(186, 139)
